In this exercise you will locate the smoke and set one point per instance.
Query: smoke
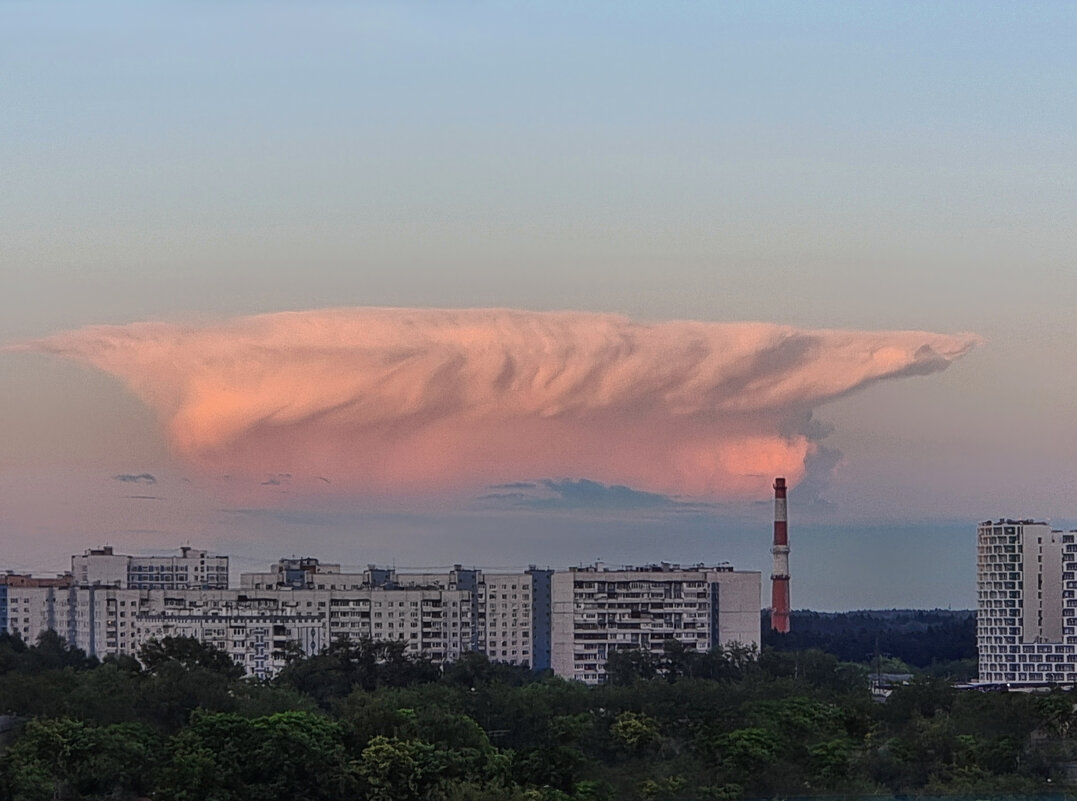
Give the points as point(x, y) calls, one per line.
point(403, 399)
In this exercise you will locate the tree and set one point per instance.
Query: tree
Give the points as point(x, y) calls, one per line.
point(190, 653)
point(628, 665)
point(365, 663)
point(280, 757)
point(397, 770)
point(924, 696)
point(172, 691)
point(62, 757)
point(634, 732)
point(50, 652)
point(746, 754)
point(474, 668)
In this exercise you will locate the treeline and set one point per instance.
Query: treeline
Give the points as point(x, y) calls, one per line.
point(919, 638)
point(363, 720)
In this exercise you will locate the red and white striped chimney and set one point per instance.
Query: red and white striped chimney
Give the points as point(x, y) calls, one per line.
point(779, 578)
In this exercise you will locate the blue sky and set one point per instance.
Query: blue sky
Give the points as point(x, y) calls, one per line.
point(835, 165)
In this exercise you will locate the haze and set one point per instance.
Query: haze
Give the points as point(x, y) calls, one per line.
point(824, 167)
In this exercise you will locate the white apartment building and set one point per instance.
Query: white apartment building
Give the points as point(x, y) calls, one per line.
point(192, 569)
point(595, 611)
point(253, 628)
point(498, 612)
point(255, 633)
point(99, 620)
point(1026, 578)
point(505, 618)
point(565, 620)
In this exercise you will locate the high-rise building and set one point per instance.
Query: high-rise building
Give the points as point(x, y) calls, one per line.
point(541, 618)
point(10, 582)
point(596, 610)
point(1026, 578)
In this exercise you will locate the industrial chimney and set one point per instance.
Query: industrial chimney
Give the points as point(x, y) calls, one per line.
point(779, 578)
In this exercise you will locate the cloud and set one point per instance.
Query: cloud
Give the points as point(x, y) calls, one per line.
point(405, 400)
point(131, 478)
point(819, 466)
point(582, 494)
point(275, 480)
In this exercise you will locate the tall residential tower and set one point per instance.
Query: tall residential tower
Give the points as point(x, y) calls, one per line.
point(1026, 577)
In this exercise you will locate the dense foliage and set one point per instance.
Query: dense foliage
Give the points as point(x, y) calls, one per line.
point(364, 721)
point(941, 641)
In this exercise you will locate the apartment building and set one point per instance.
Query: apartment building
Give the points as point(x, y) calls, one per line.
point(1026, 580)
point(497, 609)
point(253, 628)
point(191, 569)
point(596, 610)
point(10, 585)
point(505, 617)
point(565, 620)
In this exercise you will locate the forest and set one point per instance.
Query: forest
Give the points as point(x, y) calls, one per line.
point(363, 720)
point(941, 642)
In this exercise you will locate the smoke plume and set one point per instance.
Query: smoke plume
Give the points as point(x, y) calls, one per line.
point(403, 399)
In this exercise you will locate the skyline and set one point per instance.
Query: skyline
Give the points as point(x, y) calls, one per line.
point(810, 167)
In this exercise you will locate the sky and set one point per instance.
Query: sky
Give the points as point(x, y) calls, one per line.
point(624, 262)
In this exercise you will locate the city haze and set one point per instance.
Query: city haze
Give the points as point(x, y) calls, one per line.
point(837, 167)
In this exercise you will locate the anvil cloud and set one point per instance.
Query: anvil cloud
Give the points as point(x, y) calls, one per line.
point(408, 399)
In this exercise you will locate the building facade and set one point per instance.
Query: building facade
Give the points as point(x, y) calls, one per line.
point(1026, 579)
point(10, 585)
point(595, 611)
point(567, 621)
point(192, 569)
point(505, 617)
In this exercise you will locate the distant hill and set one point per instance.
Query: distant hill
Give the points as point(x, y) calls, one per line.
point(918, 637)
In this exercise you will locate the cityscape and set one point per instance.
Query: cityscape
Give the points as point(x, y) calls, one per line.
point(537, 402)
point(567, 621)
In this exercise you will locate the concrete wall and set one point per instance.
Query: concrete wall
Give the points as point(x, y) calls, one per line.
point(739, 602)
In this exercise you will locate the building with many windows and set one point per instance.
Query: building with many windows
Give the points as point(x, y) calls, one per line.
point(11, 582)
point(254, 628)
point(191, 569)
point(1026, 577)
point(565, 620)
point(596, 610)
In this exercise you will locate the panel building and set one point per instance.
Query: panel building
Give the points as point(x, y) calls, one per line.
point(595, 611)
point(565, 620)
point(10, 584)
point(1026, 577)
point(192, 569)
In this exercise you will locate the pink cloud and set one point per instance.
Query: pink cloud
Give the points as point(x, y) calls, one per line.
point(409, 399)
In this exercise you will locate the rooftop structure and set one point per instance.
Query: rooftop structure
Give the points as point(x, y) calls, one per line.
point(190, 569)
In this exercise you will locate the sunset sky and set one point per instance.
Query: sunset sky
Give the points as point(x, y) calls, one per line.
point(564, 282)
